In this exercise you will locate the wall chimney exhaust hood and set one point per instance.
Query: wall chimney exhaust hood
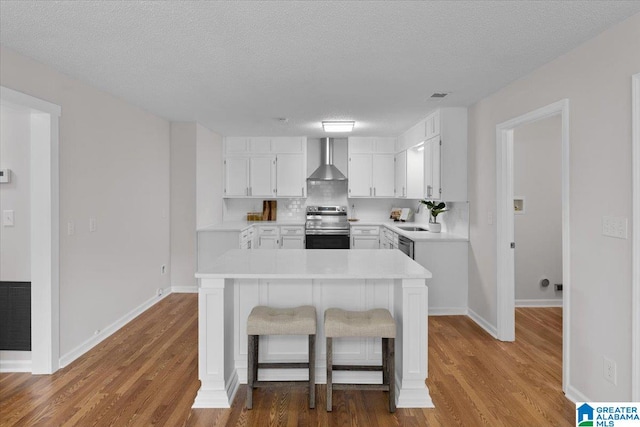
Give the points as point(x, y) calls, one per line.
point(326, 171)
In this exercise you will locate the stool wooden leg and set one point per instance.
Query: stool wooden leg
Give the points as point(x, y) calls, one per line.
point(385, 376)
point(252, 367)
point(391, 349)
point(329, 373)
point(312, 371)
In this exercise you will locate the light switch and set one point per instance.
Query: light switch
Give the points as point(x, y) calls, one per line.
point(7, 218)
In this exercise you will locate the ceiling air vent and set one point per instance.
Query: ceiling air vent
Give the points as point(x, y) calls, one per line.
point(439, 95)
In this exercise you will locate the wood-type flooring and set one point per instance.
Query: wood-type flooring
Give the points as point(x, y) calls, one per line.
point(147, 374)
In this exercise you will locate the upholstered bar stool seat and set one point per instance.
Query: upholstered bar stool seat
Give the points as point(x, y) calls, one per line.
point(376, 323)
point(265, 320)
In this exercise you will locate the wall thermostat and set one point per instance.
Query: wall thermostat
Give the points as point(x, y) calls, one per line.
point(5, 176)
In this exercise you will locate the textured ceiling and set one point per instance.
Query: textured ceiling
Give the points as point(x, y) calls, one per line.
point(236, 67)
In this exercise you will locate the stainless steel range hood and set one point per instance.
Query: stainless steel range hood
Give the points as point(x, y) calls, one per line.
point(326, 171)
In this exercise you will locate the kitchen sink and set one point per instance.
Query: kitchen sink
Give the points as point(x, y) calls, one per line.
point(410, 228)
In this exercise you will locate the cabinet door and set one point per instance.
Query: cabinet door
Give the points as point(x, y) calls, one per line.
point(262, 176)
point(235, 145)
point(414, 180)
point(384, 145)
point(260, 144)
point(365, 242)
point(432, 168)
point(290, 175)
point(268, 242)
point(382, 175)
point(236, 176)
point(432, 125)
point(288, 144)
point(292, 242)
point(360, 175)
point(401, 174)
point(360, 144)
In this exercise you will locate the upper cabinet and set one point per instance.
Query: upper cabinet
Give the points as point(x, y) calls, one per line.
point(265, 166)
point(409, 173)
point(445, 155)
point(371, 167)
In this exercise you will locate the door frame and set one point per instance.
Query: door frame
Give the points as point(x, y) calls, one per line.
point(505, 268)
point(44, 229)
point(635, 242)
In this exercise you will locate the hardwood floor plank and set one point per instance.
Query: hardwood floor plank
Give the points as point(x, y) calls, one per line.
point(146, 374)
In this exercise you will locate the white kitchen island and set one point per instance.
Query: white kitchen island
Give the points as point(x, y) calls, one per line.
point(350, 279)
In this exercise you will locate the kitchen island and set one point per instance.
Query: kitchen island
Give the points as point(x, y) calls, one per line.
point(234, 283)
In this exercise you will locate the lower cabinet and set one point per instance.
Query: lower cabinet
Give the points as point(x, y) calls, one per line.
point(365, 237)
point(291, 237)
point(268, 237)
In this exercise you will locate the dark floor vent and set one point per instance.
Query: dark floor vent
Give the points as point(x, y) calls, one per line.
point(15, 316)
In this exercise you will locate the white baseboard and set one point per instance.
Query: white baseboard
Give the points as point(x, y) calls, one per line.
point(575, 395)
point(491, 330)
point(538, 303)
point(15, 366)
point(109, 330)
point(448, 311)
point(184, 289)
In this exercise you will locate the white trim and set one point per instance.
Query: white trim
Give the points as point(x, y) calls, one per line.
point(575, 395)
point(108, 331)
point(448, 311)
point(635, 240)
point(44, 223)
point(25, 100)
point(15, 366)
point(184, 289)
point(539, 303)
point(484, 324)
point(505, 230)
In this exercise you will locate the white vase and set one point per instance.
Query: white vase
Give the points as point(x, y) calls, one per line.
point(435, 227)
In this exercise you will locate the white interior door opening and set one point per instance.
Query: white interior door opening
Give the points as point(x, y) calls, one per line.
point(635, 244)
point(505, 225)
point(44, 228)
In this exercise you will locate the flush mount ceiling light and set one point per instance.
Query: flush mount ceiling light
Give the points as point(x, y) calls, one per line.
point(338, 126)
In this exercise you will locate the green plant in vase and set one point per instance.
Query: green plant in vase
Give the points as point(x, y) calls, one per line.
point(435, 209)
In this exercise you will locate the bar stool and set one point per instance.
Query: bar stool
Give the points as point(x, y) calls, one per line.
point(370, 324)
point(280, 321)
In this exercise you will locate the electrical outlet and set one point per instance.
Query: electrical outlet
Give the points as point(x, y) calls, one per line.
point(609, 370)
point(159, 292)
point(93, 225)
point(7, 218)
point(490, 217)
point(71, 228)
point(613, 226)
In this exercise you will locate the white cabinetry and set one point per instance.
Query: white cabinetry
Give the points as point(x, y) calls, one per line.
point(388, 239)
point(409, 174)
point(445, 155)
point(291, 175)
point(253, 176)
point(292, 237)
point(365, 237)
point(265, 167)
point(268, 237)
point(247, 237)
point(371, 167)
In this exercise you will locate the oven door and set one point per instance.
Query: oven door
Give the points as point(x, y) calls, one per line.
point(327, 241)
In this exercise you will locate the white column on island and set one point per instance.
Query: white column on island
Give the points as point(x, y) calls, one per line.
point(410, 313)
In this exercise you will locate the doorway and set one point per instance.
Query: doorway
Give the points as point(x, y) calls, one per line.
point(635, 243)
point(505, 224)
point(44, 227)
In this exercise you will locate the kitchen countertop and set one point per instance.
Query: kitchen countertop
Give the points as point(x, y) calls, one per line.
point(416, 236)
point(242, 225)
point(314, 264)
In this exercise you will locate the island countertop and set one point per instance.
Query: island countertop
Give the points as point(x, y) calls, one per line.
point(314, 264)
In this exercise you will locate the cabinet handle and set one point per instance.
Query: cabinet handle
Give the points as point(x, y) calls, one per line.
point(374, 191)
point(370, 191)
point(403, 191)
point(429, 191)
point(302, 191)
